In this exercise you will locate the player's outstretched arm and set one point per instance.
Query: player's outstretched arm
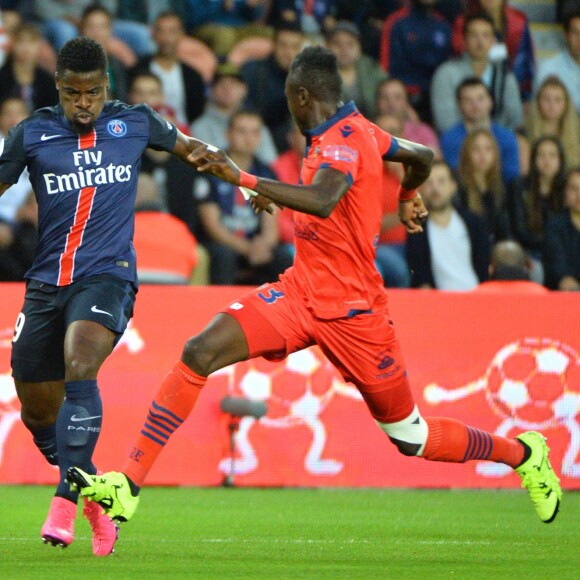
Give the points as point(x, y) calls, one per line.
point(417, 160)
point(319, 198)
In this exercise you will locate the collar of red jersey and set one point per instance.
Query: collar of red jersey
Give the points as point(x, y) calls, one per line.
point(341, 113)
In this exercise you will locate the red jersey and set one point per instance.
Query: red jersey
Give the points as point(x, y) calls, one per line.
point(334, 267)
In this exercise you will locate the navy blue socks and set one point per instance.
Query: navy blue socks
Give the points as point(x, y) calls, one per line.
point(78, 427)
point(45, 439)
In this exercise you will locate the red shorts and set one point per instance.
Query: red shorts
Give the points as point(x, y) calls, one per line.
point(362, 347)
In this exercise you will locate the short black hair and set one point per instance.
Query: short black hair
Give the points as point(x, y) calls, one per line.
point(471, 82)
point(317, 70)
point(475, 17)
point(81, 55)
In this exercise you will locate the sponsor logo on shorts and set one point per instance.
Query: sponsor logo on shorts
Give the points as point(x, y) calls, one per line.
point(98, 311)
point(236, 306)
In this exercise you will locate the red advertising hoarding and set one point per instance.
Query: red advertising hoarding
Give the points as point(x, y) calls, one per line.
point(503, 363)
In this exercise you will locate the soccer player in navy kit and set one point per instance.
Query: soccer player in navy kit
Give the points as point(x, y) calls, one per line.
point(83, 156)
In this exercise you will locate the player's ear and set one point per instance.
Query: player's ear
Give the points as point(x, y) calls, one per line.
point(56, 81)
point(303, 96)
point(107, 81)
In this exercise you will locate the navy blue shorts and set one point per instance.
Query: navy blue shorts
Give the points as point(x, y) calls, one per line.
point(38, 343)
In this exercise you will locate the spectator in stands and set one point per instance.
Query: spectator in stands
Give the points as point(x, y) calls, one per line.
point(228, 91)
point(22, 77)
point(482, 189)
point(509, 271)
point(566, 64)
point(174, 178)
point(315, 17)
point(390, 258)
point(538, 200)
point(266, 81)
point(414, 43)
point(183, 86)
point(513, 31)
point(562, 244)
point(392, 99)
point(12, 111)
point(166, 249)
point(553, 113)
point(61, 19)
point(18, 241)
point(243, 247)
point(453, 251)
point(287, 169)
point(360, 74)
point(475, 104)
point(97, 23)
point(222, 24)
point(477, 61)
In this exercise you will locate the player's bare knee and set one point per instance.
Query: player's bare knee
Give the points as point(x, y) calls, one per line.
point(81, 368)
point(408, 435)
point(197, 356)
point(37, 418)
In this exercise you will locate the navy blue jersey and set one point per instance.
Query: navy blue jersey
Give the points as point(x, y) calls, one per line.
point(85, 186)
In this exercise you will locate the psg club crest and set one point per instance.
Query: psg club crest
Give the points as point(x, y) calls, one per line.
point(116, 128)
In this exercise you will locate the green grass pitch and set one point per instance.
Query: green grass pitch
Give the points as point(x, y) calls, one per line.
point(288, 533)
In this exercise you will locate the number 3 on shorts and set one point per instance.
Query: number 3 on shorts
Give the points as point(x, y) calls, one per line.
point(18, 326)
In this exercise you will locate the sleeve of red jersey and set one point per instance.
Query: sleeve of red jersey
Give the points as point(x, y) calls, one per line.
point(387, 144)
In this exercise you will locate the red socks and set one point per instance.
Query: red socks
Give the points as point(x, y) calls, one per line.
point(453, 441)
point(170, 408)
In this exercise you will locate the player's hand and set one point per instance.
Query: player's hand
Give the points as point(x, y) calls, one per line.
point(413, 214)
point(261, 203)
point(209, 159)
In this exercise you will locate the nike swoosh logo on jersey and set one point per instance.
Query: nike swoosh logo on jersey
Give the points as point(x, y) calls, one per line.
point(75, 418)
point(97, 311)
point(46, 137)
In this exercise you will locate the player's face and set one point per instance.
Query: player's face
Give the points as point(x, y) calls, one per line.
point(552, 102)
point(573, 38)
point(479, 38)
point(346, 48)
point(547, 159)
point(245, 135)
point(572, 193)
point(82, 97)
point(286, 47)
point(439, 189)
point(475, 104)
point(295, 106)
point(482, 153)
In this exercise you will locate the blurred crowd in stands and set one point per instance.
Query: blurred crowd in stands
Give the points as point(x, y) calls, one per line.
point(460, 76)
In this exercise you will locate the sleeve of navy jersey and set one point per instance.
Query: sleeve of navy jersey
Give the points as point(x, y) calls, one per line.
point(12, 155)
point(162, 134)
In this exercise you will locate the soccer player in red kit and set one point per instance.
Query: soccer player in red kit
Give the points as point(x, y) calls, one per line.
point(333, 296)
